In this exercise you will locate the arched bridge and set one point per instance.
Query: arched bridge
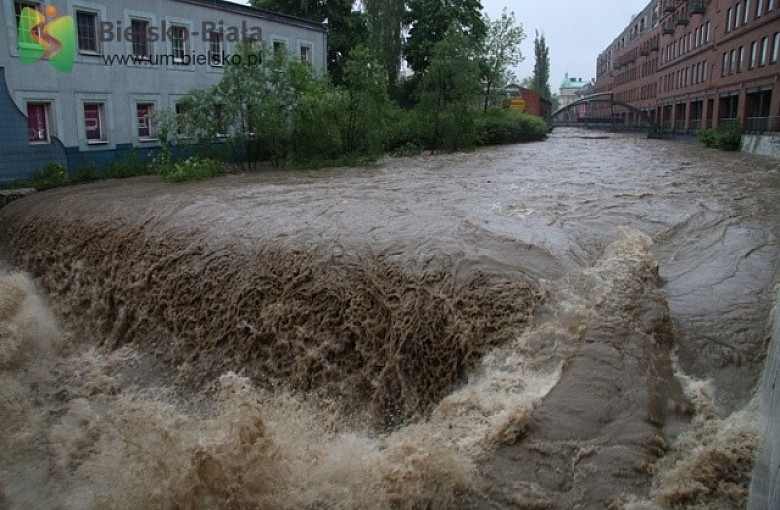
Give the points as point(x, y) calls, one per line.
point(603, 111)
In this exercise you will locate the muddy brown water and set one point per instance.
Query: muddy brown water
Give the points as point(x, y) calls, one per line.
point(530, 326)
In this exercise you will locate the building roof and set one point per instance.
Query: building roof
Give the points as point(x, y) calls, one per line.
point(573, 83)
point(246, 10)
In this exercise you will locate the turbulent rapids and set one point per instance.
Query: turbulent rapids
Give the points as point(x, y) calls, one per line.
point(538, 326)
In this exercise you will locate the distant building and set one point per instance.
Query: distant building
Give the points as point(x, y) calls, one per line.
point(97, 104)
point(698, 63)
point(570, 90)
point(528, 101)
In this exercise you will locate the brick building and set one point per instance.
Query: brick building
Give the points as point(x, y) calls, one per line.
point(691, 64)
point(528, 101)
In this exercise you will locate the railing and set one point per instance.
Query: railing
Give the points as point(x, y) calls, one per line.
point(670, 6)
point(654, 46)
point(667, 29)
point(681, 19)
point(644, 51)
point(695, 125)
point(679, 126)
point(761, 125)
point(697, 7)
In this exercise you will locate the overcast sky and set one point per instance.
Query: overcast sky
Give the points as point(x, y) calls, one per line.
point(576, 31)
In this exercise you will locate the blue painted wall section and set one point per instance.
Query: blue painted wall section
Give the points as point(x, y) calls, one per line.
point(18, 158)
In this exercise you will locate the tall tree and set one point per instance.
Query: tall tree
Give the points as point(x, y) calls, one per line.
point(448, 93)
point(385, 22)
point(430, 21)
point(347, 26)
point(541, 79)
point(500, 52)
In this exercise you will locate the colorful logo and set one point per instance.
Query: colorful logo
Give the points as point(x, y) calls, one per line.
point(55, 40)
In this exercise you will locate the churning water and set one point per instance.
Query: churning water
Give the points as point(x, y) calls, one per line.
point(579, 322)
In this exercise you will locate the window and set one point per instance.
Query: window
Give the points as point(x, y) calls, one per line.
point(753, 55)
point(94, 122)
point(86, 23)
point(775, 48)
point(179, 45)
point(144, 113)
point(279, 47)
point(140, 33)
point(725, 65)
point(216, 48)
point(737, 14)
point(707, 32)
point(19, 6)
point(306, 53)
point(219, 120)
point(38, 122)
point(733, 60)
point(759, 8)
point(729, 20)
point(770, 5)
point(746, 15)
point(181, 112)
point(741, 59)
point(764, 50)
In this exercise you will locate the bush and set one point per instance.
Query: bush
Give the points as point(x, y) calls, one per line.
point(498, 127)
point(725, 138)
point(192, 169)
point(51, 175)
point(129, 166)
point(87, 172)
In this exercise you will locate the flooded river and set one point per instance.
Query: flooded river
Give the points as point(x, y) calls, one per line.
point(578, 323)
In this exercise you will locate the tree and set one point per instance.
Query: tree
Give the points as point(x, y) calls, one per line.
point(500, 52)
point(385, 22)
point(430, 21)
point(541, 79)
point(347, 26)
point(367, 104)
point(448, 93)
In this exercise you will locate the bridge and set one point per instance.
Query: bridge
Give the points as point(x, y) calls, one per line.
point(604, 112)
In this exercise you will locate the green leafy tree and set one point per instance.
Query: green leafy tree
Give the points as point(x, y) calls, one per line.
point(500, 53)
point(430, 21)
point(541, 78)
point(367, 103)
point(347, 26)
point(385, 22)
point(448, 93)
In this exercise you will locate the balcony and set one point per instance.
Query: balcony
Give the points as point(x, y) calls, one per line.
point(654, 46)
point(670, 6)
point(681, 19)
point(644, 52)
point(697, 7)
point(667, 29)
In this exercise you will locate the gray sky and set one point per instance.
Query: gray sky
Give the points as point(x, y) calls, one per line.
point(576, 31)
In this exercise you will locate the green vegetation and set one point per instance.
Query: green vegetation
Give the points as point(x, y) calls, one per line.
point(192, 169)
point(51, 175)
point(509, 126)
point(725, 138)
point(284, 111)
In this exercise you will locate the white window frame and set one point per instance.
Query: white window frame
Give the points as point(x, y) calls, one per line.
point(47, 113)
point(96, 16)
point(277, 39)
point(102, 119)
point(152, 131)
point(775, 48)
point(218, 62)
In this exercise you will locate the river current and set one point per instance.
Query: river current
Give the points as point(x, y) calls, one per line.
point(577, 323)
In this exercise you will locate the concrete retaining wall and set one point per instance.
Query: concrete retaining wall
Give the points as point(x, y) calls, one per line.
point(765, 489)
point(767, 144)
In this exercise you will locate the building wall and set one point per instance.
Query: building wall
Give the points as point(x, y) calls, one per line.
point(121, 87)
point(680, 70)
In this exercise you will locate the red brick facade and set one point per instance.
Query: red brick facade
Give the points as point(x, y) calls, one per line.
point(699, 63)
point(534, 103)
